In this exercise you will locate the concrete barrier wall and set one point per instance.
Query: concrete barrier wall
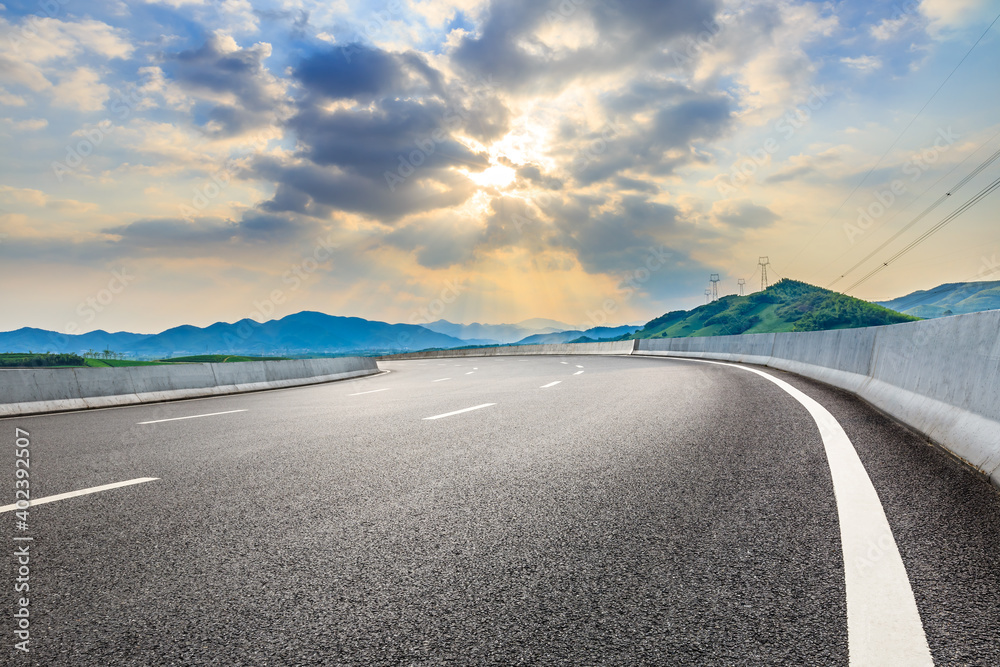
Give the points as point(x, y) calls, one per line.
point(941, 376)
point(612, 347)
point(25, 391)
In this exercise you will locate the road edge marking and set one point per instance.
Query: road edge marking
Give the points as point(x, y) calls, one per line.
point(883, 622)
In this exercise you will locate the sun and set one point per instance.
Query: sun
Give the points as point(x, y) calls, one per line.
point(496, 176)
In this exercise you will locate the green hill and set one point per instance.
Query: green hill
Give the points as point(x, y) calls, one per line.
point(789, 305)
point(949, 299)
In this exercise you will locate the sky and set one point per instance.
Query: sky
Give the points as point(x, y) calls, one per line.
point(173, 162)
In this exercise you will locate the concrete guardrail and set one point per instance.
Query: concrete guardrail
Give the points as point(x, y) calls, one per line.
point(25, 391)
point(940, 377)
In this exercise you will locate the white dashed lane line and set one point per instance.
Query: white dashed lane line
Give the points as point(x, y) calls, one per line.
point(174, 419)
point(458, 412)
point(577, 373)
point(551, 384)
point(81, 492)
point(440, 380)
point(361, 393)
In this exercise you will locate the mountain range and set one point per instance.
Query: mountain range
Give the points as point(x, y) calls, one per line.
point(786, 306)
point(497, 334)
point(302, 333)
point(595, 334)
point(949, 299)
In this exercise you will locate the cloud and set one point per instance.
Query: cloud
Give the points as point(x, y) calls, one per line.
point(240, 94)
point(9, 100)
point(28, 125)
point(743, 214)
point(29, 197)
point(864, 64)
point(81, 89)
point(388, 147)
point(168, 235)
point(949, 13)
point(511, 43)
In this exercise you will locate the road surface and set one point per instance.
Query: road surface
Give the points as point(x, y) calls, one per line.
point(489, 511)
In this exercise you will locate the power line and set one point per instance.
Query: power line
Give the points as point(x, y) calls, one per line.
point(912, 202)
point(949, 218)
point(896, 140)
point(940, 200)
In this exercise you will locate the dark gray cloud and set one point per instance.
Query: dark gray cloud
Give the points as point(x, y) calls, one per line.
point(354, 71)
point(507, 45)
point(307, 188)
point(746, 214)
point(212, 71)
point(206, 233)
point(392, 155)
point(652, 133)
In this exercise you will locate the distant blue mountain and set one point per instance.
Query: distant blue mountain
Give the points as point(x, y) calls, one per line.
point(485, 334)
point(597, 333)
point(302, 333)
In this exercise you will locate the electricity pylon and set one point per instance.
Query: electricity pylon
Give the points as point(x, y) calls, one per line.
point(763, 263)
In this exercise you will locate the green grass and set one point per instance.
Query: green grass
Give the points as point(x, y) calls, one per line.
point(118, 363)
point(788, 305)
point(217, 359)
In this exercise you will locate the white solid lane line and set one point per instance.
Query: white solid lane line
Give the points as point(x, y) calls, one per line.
point(458, 412)
point(174, 419)
point(577, 373)
point(883, 622)
point(362, 393)
point(81, 492)
point(440, 380)
point(551, 384)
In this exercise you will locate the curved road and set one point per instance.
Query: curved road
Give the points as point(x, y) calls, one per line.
point(590, 510)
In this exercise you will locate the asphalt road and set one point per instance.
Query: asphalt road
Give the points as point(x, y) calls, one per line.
point(642, 511)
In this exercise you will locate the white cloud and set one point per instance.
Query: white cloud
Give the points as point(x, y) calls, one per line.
point(762, 47)
point(29, 125)
point(36, 41)
point(81, 89)
point(237, 15)
point(8, 99)
point(863, 63)
point(949, 13)
point(890, 27)
point(31, 198)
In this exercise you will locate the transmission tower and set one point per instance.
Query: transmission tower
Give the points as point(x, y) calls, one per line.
point(708, 295)
point(714, 279)
point(763, 262)
point(741, 282)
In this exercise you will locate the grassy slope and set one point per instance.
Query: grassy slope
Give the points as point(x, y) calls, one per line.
point(118, 363)
point(786, 306)
point(217, 359)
